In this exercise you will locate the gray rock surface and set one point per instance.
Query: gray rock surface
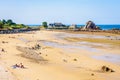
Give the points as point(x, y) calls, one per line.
point(90, 25)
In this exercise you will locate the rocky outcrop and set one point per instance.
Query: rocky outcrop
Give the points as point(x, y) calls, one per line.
point(73, 26)
point(106, 69)
point(90, 25)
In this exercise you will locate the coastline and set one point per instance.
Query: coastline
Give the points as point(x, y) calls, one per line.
point(103, 26)
point(63, 61)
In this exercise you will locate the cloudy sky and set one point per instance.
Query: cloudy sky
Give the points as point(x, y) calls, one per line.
point(65, 11)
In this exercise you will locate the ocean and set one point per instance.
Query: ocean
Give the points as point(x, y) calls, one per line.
point(106, 27)
point(103, 27)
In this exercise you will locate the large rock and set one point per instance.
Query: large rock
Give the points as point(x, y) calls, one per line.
point(106, 69)
point(73, 26)
point(90, 26)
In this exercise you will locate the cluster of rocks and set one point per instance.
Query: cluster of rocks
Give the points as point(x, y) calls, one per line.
point(113, 31)
point(37, 46)
point(73, 27)
point(106, 69)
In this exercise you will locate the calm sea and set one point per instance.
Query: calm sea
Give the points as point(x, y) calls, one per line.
point(103, 27)
point(106, 27)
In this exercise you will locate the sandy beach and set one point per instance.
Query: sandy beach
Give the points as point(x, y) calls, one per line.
point(53, 55)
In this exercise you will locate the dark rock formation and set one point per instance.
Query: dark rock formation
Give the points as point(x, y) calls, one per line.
point(106, 69)
point(90, 26)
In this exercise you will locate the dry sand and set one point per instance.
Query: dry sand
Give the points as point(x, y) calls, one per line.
point(51, 62)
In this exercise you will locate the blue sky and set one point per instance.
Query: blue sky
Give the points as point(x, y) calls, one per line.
point(65, 11)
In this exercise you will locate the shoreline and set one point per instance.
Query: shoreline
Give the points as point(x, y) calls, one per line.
point(96, 32)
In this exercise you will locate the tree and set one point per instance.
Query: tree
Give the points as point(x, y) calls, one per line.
point(44, 24)
point(3, 21)
point(10, 22)
point(1, 24)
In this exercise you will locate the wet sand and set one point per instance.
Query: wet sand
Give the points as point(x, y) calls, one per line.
point(5, 74)
point(58, 58)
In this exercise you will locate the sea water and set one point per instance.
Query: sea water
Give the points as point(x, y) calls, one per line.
point(106, 27)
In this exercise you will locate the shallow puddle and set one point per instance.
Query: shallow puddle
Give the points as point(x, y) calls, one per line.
point(114, 58)
point(23, 39)
point(70, 46)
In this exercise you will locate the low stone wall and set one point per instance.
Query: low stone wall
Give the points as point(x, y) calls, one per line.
point(16, 31)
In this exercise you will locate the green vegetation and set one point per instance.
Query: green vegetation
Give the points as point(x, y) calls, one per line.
point(44, 24)
point(9, 24)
